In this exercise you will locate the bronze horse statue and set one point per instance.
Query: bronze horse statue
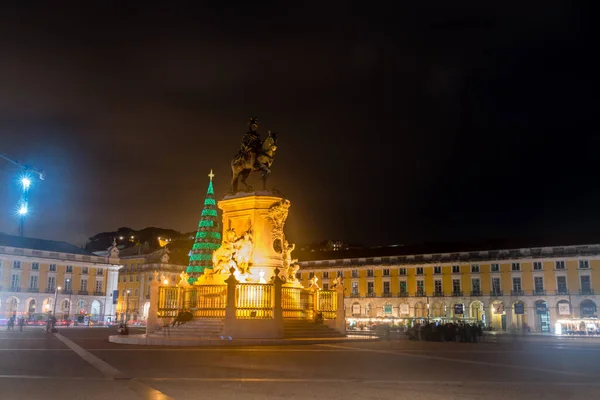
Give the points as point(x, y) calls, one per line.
point(241, 164)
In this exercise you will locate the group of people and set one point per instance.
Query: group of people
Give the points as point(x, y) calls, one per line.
point(446, 332)
point(10, 326)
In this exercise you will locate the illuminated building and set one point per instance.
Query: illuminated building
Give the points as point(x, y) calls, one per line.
point(31, 271)
point(512, 289)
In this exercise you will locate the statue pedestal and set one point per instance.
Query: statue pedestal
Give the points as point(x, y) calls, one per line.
point(258, 211)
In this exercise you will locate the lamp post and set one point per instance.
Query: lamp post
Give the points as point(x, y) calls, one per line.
point(127, 305)
point(54, 304)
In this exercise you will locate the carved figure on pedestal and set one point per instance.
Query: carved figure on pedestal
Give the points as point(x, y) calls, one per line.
point(235, 252)
point(223, 256)
point(288, 261)
point(255, 155)
point(244, 249)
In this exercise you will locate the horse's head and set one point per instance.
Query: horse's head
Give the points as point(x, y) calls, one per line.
point(270, 142)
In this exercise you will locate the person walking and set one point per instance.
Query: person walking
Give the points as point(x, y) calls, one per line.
point(21, 323)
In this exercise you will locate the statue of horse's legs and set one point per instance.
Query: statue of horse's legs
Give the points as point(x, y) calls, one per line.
point(265, 174)
point(234, 179)
point(243, 176)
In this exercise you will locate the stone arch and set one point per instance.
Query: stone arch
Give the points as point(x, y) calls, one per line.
point(95, 310)
point(476, 310)
point(65, 306)
point(47, 305)
point(453, 309)
point(146, 309)
point(31, 306)
point(519, 321)
point(497, 315)
point(420, 310)
point(403, 309)
point(563, 308)
point(80, 305)
point(587, 308)
point(11, 305)
point(438, 309)
point(542, 313)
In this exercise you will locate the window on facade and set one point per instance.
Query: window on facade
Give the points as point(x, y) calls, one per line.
point(516, 284)
point(419, 270)
point(370, 288)
point(325, 274)
point(537, 266)
point(585, 283)
point(403, 287)
point(420, 287)
point(437, 270)
point(560, 265)
point(456, 285)
point(51, 283)
point(83, 285)
point(98, 288)
point(355, 273)
point(386, 287)
point(124, 278)
point(456, 269)
point(496, 285)
point(311, 275)
point(130, 278)
point(137, 291)
point(355, 288)
point(69, 269)
point(516, 266)
point(584, 264)
point(561, 284)
point(495, 267)
point(538, 284)
point(137, 278)
point(401, 271)
point(139, 267)
point(84, 270)
point(340, 274)
point(438, 286)
point(475, 285)
point(370, 273)
point(386, 272)
point(474, 268)
point(35, 266)
point(15, 283)
point(99, 272)
point(33, 282)
point(68, 284)
point(17, 264)
point(326, 286)
point(52, 268)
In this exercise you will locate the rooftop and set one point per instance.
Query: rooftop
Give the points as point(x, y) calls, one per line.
point(23, 242)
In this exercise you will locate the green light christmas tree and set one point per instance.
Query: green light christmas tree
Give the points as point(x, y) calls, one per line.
point(208, 237)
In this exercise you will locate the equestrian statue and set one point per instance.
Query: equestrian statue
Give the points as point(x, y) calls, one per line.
point(254, 156)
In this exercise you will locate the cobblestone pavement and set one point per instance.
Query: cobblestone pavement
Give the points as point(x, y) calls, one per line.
point(82, 364)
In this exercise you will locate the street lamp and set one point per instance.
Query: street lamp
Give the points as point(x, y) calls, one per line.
point(127, 306)
point(54, 305)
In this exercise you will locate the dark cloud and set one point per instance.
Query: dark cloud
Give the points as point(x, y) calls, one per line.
point(396, 124)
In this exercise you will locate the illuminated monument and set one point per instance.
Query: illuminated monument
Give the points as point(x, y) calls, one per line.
point(244, 287)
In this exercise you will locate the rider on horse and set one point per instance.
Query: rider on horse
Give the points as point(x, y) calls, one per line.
point(251, 143)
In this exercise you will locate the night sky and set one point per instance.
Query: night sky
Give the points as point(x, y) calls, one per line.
point(396, 125)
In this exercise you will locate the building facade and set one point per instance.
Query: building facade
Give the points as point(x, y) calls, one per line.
point(517, 289)
point(135, 278)
point(33, 270)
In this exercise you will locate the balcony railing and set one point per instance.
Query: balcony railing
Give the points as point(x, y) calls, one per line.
point(386, 294)
point(476, 293)
point(98, 293)
point(586, 291)
point(371, 294)
point(539, 292)
point(15, 289)
point(457, 293)
point(33, 290)
point(354, 294)
point(82, 292)
point(517, 293)
point(403, 294)
point(420, 293)
point(562, 292)
point(438, 294)
point(496, 293)
point(65, 291)
point(49, 290)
